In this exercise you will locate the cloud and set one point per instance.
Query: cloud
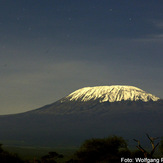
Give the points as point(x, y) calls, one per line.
point(158, 24)
point(157, 36)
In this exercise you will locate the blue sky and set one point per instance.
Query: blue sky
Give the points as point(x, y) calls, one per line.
point(50, 48)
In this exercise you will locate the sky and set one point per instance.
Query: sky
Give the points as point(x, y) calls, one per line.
point(50, 48)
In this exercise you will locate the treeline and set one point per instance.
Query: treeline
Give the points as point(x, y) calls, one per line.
point(111, 149)
point(6, 157)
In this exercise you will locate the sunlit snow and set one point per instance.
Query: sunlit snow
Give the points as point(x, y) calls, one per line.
point(111, 93)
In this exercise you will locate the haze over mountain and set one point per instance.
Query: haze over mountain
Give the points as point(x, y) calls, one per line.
point(88, 112)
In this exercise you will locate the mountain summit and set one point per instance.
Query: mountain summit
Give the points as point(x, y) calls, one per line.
point(112, 93)
point(84, 114)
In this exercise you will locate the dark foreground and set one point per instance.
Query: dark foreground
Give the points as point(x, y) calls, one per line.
point(111, 149)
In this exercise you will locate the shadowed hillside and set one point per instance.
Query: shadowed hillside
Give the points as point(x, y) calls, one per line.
point(70, 123)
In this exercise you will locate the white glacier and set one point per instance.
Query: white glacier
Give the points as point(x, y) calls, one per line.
point(111, 93)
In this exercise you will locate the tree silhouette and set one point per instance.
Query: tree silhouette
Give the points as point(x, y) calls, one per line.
point(51, 157)
point(109, 149)
point(6, 157)
point(148, 154)
point(161, 146)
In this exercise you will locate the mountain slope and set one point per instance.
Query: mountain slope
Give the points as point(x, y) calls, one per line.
point(73, 119)
point(91, 99)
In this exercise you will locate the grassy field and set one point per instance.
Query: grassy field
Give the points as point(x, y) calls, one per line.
point(36, 152)
point(29, 152)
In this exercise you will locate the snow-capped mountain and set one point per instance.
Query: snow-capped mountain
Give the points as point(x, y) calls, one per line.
point(111, 93)
point(89, 112)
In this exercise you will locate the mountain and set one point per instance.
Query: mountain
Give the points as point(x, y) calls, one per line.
point(88, 112)
point(85, 98)
point(111, 93)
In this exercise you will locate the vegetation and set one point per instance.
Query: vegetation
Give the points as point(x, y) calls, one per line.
point(107, 149)
point(110, 149)
point(51, 157)
point(6, 157)
point(161, 146)
point(152, 141)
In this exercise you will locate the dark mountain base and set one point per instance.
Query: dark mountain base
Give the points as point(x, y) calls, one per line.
point(67, 127)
